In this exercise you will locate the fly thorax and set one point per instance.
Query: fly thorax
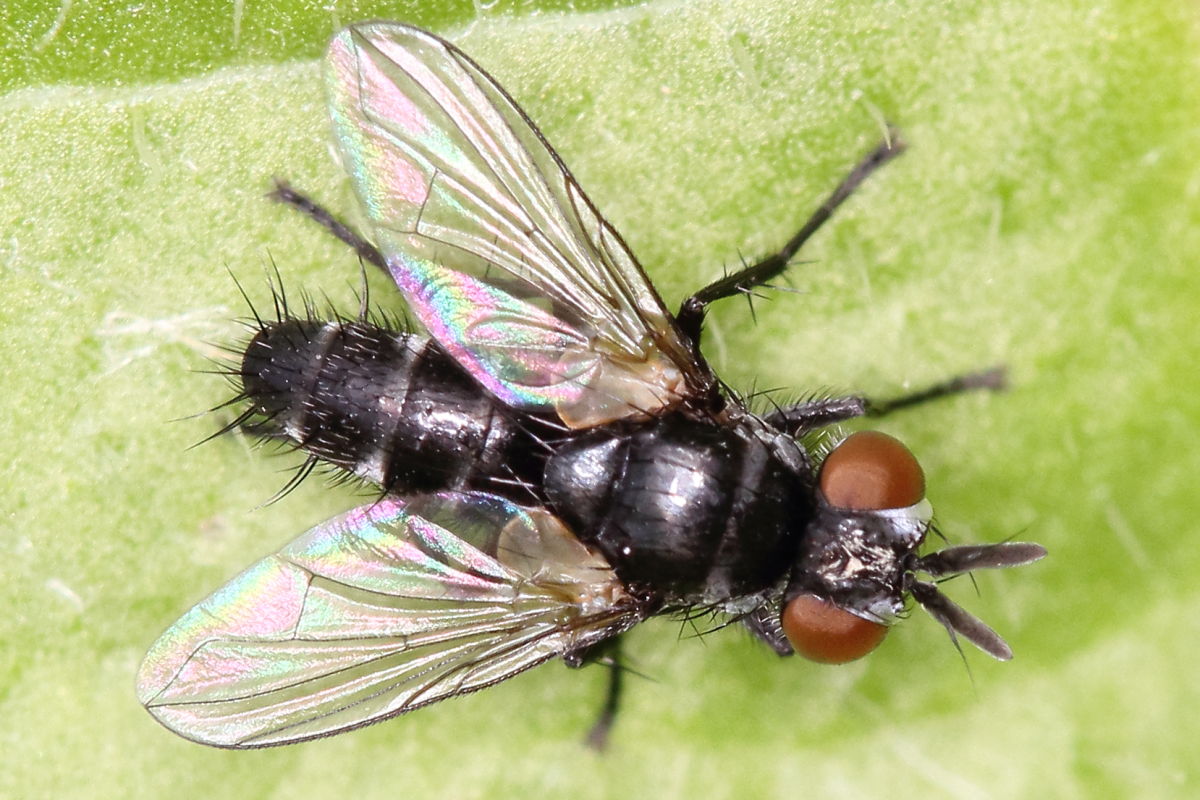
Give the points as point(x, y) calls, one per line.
point(701, 512)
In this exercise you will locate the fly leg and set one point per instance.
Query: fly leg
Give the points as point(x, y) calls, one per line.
point(764, 623)
point(804, 417)
point(606, 653)
point(284, 193)
point(691, 312)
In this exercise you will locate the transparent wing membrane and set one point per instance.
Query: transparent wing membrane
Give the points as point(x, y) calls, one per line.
point(376, 612)
point(497, 249)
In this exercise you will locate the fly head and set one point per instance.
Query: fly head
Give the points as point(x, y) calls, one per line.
point(858, 562)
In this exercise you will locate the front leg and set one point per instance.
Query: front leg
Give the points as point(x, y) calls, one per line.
point(764, 623)
point(815, 414)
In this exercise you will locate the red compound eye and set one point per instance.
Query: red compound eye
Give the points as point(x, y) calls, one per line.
point(871, 471)
point(822, 632)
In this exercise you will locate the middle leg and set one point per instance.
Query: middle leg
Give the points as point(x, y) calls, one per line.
point(606, 653)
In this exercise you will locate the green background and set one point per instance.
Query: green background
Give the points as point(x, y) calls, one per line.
point(1045, 217)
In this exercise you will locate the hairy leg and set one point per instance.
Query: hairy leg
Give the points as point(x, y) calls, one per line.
point(691, 312)
point(815, 414)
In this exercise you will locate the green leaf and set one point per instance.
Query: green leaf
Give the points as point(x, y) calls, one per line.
point(1045, 218)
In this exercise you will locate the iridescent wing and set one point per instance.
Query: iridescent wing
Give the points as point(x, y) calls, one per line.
point(498, 251)
point(376, 612)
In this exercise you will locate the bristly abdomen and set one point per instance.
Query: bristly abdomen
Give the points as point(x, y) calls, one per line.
point(387, 406)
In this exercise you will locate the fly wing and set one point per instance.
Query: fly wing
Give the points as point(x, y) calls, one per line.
point(498, 251)
point(376, 612)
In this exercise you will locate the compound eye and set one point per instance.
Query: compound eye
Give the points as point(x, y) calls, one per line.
point(871, 471)
point(822, 632)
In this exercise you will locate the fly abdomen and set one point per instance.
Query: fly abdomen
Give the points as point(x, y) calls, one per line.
point(387, 406)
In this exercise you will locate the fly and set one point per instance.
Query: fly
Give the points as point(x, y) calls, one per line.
point(558, 461)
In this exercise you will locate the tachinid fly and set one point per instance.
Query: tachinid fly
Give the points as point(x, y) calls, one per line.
point(557, 458)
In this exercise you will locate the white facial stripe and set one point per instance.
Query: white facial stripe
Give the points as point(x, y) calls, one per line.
point(920, 512)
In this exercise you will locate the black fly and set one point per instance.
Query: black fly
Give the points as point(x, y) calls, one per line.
point(559, 462)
